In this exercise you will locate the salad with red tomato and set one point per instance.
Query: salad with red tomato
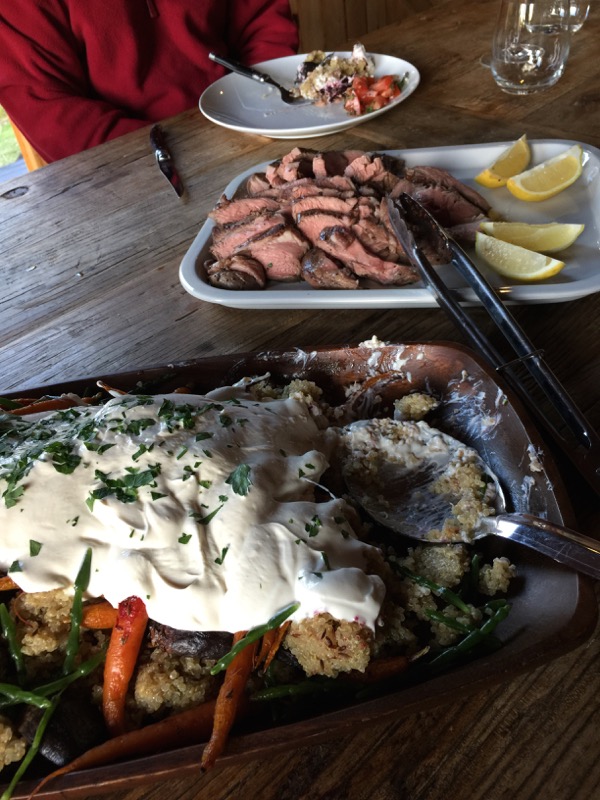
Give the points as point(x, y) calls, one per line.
point(367, 94)
point(325, 78)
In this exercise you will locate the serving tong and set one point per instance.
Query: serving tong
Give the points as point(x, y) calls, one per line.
point(287, 95)
point(408, 217)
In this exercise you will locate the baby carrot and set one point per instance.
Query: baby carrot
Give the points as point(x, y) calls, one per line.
point(229, 701)
point(121, 657)
point(7, 584)
point(99, 615)
point(179, 730)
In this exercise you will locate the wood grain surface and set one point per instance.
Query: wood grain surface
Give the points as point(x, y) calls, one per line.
point(89, 254)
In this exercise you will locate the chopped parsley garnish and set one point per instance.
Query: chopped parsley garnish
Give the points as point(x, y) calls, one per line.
point(125, 489)
point(184, 538)
point(313, 526)
point(221, 558)
point(240, 480)
point(34, 547)
point(63, 460)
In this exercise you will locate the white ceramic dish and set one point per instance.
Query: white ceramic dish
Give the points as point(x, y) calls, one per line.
point(579, 203)
point(244, 105)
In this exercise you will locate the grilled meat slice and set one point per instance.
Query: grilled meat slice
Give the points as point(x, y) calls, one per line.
point(280, 253)
point(323, 272)
point(238, 272)
point(228, 240)
point(227, 212)
point(341, 243)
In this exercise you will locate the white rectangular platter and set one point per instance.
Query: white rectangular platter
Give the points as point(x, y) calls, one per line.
point(580, 203)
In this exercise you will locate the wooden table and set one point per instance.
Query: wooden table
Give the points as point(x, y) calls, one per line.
point(90, 255)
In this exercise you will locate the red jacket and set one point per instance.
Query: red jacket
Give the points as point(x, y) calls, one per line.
point(74, 73)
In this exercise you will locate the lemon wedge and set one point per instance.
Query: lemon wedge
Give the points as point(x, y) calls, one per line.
point(548, 178)
point(551, 237)
point(512, 261)
point(510, 162)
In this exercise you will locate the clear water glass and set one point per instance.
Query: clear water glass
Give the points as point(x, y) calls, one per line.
point(578, 13)
point(531, 44)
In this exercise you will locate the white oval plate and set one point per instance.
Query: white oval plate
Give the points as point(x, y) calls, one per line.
point(579, 203)
point(244, 105)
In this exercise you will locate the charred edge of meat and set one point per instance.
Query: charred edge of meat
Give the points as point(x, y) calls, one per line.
point(237, 273)
point(324, 272)
point(209, 645)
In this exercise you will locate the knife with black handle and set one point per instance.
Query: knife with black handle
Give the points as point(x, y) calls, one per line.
point(164, 159)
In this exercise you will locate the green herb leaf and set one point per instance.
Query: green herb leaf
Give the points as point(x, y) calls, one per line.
point(240, 480)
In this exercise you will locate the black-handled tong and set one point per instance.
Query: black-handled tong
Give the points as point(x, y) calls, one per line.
point(407, 217)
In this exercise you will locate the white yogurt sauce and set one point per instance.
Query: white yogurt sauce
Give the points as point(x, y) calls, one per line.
point(203, 508)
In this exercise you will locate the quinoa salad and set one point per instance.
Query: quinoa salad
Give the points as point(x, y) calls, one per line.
point(202, 528)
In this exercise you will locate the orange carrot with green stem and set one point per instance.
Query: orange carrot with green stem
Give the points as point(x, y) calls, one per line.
point(121, 658)
point(229, 701)
point(185, 728)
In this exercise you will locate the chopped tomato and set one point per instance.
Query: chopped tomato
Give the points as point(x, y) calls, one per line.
point(370, 94)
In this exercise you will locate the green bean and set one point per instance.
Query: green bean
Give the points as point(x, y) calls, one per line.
point(311, 686)
point(253, 635)
point(84, 669)
point(10, 634)
point(474, 573)
point(450, 622)
point(440, 591)
point(474, 638)
point(33, 749)
point(81, 583)
point(14, 694)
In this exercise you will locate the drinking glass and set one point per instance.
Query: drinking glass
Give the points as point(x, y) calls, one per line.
point(578, 13)
point(530, 46)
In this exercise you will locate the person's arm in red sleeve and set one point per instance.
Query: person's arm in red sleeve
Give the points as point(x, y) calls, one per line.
point(261, 30)
point(43, 84)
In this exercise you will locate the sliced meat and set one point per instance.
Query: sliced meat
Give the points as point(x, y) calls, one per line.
point(312, 224)
point(323, 272)
point(341, 243)
point(333, 162)
point(379, 240)
point(257, 183)
point(280, 253)
point(228, 240)
point(228, 211)
point(377, 171)
point(335, 203)
point(447, 205)
point(238, 272)
point(434, 176)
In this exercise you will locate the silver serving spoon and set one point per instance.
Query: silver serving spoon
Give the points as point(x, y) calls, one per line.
point(397, 472)
point(287, 95)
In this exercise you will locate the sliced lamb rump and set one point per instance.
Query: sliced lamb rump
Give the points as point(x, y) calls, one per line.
point(228, 211)
point(323, 272)
point(320, 202)
point(376, 170)
point(312, 224)
point(238, 272)
point(231, 239)
point(280, 253)
point(257, 183)
point(342, 244)
point(434, 176)
point(449, 207)
point(333, 162)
